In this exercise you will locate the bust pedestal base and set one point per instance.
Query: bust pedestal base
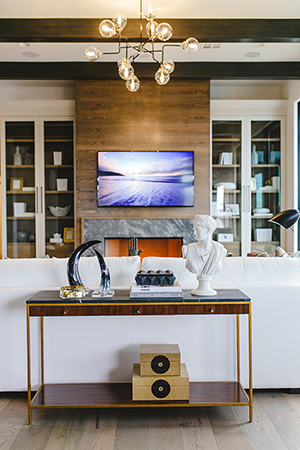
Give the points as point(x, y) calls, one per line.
point(203, 286)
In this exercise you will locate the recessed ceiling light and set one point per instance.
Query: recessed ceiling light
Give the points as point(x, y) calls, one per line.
point(30, 54)
point(23, 44)
point(258, 45)
point(252, 55)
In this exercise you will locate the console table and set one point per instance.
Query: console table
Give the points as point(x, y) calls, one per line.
point(118, 395)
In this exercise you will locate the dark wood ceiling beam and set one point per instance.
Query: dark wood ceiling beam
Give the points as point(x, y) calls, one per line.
point(197, 70)
point(205, 30)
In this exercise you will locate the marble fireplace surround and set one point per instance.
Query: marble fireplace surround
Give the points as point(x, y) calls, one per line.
point(140, 228)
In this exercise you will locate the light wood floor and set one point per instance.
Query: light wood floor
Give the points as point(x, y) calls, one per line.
point(276, 426)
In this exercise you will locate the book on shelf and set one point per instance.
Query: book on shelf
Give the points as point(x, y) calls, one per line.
point(155, 288)
point(161, 294)
point(225, 158)
point(155, 291)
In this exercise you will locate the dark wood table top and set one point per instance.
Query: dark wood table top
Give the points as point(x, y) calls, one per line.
point(122, 296)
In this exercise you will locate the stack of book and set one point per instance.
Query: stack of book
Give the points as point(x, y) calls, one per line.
point(162, 291)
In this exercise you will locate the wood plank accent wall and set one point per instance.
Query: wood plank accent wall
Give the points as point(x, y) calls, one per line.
point(171, 117)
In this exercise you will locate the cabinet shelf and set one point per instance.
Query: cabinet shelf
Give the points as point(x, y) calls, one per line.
point(258, 166)
point(21, 192)
point(21, 218)
point(265, 139)
point(59, 192)
point(225, 166)
point(234, 191)
point(226, 215)
point(22, 166)
point(59, 217)
point(270, 191)
point(61, 166)
point(59, 140)
point(19, 140)
point(226, 139)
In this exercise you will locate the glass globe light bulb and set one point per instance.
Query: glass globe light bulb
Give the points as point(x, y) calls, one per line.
point(123, 62)
point(150, 12)
point(126, 71)
point(107, 28)
point(191, 45)
point(133, 84)
point(162, 76)
point(164, 31)
point(120, 22)
point(92, 53)
point(151, 29)
point(168, 65)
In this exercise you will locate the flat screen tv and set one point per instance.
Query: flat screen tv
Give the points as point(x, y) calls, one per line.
point(145, 178)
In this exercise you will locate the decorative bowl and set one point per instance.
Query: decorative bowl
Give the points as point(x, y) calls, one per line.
point(227, 185)
point(59, 211)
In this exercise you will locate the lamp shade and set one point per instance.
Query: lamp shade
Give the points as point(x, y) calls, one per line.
point(286, 218)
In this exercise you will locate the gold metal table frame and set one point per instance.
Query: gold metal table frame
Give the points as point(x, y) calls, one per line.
point(118, 395)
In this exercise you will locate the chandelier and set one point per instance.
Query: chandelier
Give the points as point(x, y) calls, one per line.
point(161, 32)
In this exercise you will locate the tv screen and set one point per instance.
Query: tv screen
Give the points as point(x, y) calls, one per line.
point(148, 178)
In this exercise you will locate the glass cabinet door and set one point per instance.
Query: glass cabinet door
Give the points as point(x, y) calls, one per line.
point(226, 182)
point(20, 189)
point(265, 184)
point(59, 188)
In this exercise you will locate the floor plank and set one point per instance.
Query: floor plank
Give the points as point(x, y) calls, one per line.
point(284, 418)
point(164, 431)
point(196, 430)
point(294, 401)
point(67, 431)
point(3, 403)
point(132, 430)
point(233, 442)
point(276, 426)
point(9, 430)
point(261, 433)
point(36, 436)
point(103, 437)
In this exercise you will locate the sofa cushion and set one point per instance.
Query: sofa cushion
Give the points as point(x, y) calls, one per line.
point(235, 272)
point(52, 272)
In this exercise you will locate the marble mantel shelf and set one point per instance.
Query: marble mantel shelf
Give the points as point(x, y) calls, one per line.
point(141, 228)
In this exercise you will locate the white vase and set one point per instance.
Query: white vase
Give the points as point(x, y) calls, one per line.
point(254, 156)
point(17, 157)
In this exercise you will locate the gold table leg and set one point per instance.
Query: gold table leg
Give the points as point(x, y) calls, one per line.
point(28, 366)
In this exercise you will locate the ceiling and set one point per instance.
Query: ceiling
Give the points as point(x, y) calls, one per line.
point(211, 51)
point(166, 8)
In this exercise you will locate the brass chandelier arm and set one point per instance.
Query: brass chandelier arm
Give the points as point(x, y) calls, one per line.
point(161, 31)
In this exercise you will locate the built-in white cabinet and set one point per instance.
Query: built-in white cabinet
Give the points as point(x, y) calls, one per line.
point(247, 154)
point(37, 171)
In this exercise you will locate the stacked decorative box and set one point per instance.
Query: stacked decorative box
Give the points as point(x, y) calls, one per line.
point(160, 375)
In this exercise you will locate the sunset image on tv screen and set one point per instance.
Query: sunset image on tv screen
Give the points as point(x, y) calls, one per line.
point(147, 178)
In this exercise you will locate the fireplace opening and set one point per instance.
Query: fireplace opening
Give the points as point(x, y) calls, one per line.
point(151, 247)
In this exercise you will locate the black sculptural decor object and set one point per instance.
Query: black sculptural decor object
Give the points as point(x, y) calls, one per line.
point(105, 277)
point(73, 270)
point(155, 278)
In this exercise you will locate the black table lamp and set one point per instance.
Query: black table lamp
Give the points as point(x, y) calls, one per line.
point(286, 218)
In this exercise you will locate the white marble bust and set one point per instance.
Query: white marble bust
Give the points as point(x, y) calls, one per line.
point(204, 257)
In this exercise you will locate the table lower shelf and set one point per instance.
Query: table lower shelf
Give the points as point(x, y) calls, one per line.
point(118, 395)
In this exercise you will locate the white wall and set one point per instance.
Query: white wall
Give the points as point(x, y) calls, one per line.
point(245, 90)
point(36, 90)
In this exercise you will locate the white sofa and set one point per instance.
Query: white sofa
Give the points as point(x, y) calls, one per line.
point(85, 349)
